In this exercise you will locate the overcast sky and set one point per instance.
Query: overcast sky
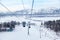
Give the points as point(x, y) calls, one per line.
point(15, 5)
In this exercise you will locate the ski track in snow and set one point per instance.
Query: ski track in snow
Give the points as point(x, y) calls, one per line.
point(37, 32)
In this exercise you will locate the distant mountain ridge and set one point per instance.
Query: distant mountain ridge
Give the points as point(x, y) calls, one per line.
point(53, 12)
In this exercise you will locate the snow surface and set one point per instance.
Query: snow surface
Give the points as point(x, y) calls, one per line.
point(36, 32)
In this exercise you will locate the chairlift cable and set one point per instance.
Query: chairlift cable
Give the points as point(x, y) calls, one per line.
point(31, 14)
point(32, 7)
point(5, 7)
point(23, 4)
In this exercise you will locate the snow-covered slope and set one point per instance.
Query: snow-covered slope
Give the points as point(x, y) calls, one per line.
point(36, 32)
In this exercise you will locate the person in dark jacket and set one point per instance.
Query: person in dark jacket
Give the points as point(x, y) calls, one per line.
point(24, 24)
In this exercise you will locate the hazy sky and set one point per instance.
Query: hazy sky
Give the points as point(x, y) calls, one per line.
point(14, 5)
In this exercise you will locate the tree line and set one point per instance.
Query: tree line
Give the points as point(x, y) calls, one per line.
point(53, 25)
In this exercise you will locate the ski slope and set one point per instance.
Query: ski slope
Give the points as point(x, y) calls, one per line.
point(36, 32)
